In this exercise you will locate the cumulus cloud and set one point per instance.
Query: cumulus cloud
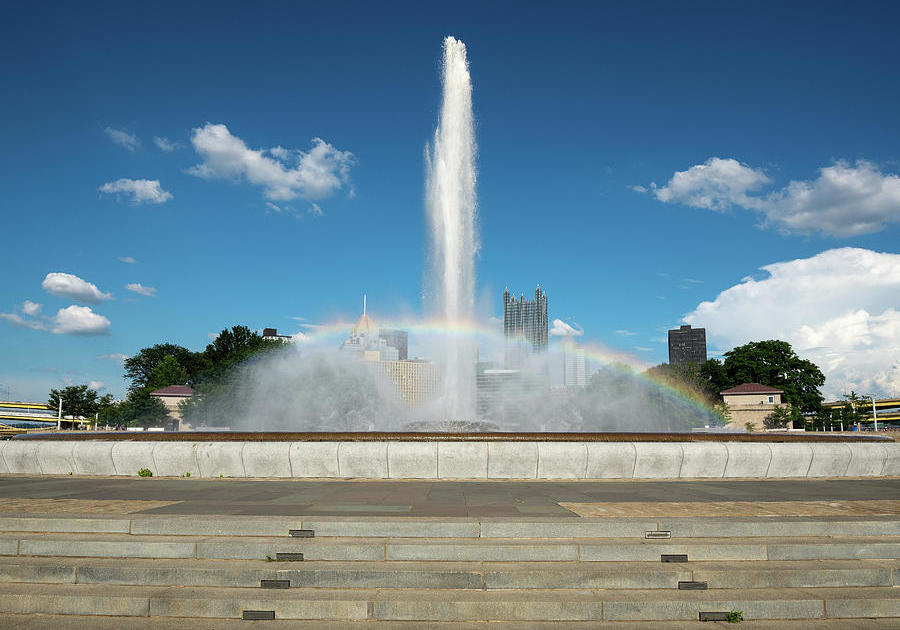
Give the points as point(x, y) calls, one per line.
point(715, 185)
point(837, 309)
point(138, 190)
point(79, 320)
point(164, 144)
point(562, 329)
point(72, 320)
point(123, 139)
point(24, 322)
point(140, 289)
point(30, 308)
point(96, 385)
point(127, 259)
point(282, 173)
point(73, 287)
point(118, 357)
point(844, 200)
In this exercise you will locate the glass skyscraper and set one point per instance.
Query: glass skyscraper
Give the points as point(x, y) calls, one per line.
point(524, 325)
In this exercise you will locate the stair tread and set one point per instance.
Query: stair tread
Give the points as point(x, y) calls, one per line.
point(375, 594)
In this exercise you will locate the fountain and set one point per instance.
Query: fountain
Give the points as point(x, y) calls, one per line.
point(451, 206)
point(450, 201)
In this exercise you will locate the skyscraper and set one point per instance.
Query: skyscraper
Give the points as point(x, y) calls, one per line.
point(525, 322)
point(396, 339)
point(574, 364)
point(687, 345)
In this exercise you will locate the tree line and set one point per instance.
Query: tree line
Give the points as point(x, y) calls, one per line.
point(772, 362)
point(162, 365)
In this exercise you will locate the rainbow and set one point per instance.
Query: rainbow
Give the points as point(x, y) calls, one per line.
point(598, 354)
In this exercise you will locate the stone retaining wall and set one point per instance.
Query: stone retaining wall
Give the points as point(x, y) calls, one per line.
point(453, 460)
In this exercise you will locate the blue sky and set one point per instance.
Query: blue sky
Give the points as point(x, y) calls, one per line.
point(637, 161)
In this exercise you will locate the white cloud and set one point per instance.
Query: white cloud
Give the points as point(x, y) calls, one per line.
point(79, 320)
point(299, 337)
point(140, 190)
point(643, 349)
point(715, 185)
point(837, 309)
point(844, 200)
point(164, 144)
point(118, 357)
point(18, 320)
point(73, 287)
point(314, 209)
point(283, 174)
point(127, 259)
point(640, 189)
point(271, 206)
point(562, 329)
point(627, 333)
point(30, 308)
point(123, 139)
point(138, 288)
point(96, 385)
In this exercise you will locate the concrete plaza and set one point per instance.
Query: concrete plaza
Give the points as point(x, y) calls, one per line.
point(448, 499)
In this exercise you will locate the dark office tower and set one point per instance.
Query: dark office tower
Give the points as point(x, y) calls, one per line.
point(396, 339)
point(525, 321)
point(687, 345)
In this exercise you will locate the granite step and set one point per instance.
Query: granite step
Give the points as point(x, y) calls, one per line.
point(450, 575)
point(447, 549)
point(443, 605)
point(82, 622)
point(465, 528)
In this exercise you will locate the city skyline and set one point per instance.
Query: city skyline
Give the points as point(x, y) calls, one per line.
point(650, 169)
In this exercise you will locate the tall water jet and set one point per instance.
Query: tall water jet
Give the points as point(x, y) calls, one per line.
point(451, 205)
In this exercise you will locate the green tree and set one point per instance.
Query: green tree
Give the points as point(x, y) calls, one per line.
point(142, 409)
point(167, 372)
point(139, 368)
point(232, 347)
point(108, 410)
point(779, 418)
point(774, 363)
point(217, 384)
point(77, 401)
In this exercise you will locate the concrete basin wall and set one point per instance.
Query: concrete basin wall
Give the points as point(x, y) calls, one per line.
point(453, 460)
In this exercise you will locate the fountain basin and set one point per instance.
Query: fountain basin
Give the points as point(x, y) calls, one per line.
point(536, 456)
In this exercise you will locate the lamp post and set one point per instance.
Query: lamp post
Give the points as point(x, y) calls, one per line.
point(59, 416)
point(874, 412)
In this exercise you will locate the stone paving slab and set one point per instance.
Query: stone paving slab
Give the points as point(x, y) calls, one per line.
point(419, 499)
point(78, 506)
point(736, 508)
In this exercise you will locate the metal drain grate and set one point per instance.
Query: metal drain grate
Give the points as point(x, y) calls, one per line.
point(658, 535)
point(301, 533)
point(258, 615)
point(288, 557)
point(673, 557)
point(714, 616)
point(276, 584)
point(693, 586)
